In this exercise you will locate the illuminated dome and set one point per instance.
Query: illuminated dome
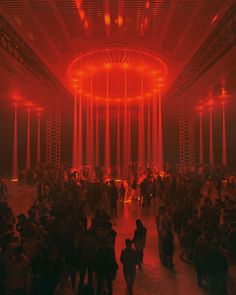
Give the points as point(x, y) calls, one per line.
point(117, 73)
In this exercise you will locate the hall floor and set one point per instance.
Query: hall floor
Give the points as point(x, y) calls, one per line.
point(153, 279)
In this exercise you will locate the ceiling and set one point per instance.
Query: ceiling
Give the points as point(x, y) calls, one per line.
point(59, 30)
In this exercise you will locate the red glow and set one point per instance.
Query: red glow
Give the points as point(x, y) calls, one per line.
point(200, 109)
point(107, 19)
point(201, 138)
point(15, 146)
point(160, 143)
point(214, 19)
point(91, 131)
point(210, 103)
point(86, 24)
point(223, 95)
point(87, 134)
point(211, 152)
point(118, 156)
point(154, 129)
point(141, 133)
point(148, 134)
point(224, 143)
point(107, 66)
point(107, 128)
point(75, 138)
point(81, 14)
point(125, 124)
point(29, 104)
point(147, 4)
point(118, 61)
point(121, 77)
point(28, 152)
point(80, 132)
point(120, 21)
point(39, 139)
point(97, 139)
point(16, 97)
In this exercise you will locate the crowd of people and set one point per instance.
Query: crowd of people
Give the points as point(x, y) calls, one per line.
point(56, 249)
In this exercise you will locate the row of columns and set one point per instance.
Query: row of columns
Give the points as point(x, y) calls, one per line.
point(152, 137)
point(211, 139)
point(28, 145)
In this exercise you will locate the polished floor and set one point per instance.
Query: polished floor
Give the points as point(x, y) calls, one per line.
point(153, 279)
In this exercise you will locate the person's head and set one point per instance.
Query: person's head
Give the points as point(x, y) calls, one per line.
point(21, 217)
point(128, 243)
point(139, 223)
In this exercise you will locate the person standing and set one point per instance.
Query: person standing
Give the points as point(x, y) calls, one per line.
point(201, 254)
point(139, 240)
point(217, 268)
point(129, 260)
point(113, 191)
point(17, 268)
point(143, 192)
point(122, 192)
point(168, 246)
point(105, 268)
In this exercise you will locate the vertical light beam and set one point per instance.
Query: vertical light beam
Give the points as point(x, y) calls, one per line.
point(141, 142)
point(88, 133)
point(107, 127)
point(97, 139)
point(118, 165)
point(80, 131)
point(75, 132)
point(224, 144)
point(39, 138)
point(211, 152)
point(129, 160)
point(91, 122)
point(148, 134)
point(15, 146)
point(201, 139)
point(160, 135)
point(28, 151)
point(154, 127)
point(125, 131)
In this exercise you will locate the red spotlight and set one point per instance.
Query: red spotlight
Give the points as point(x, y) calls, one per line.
point(16, 97)
point(210, 102)
point(29, 104)
point(80, 73)
point(107, 19)
point(107, 65)
point(147, 4)
point(75, 83)
point(200, 109)
point(214, 19)
point(86, 24)
point(125, 65)
point(91, 69)
point(223, 92)
point(120, 21)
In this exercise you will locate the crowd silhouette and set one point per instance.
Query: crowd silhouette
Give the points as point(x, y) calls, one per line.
point(66, 243)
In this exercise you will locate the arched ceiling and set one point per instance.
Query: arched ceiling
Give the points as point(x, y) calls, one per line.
point(60, 30)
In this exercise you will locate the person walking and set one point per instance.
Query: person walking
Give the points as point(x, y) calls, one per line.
point(129, 260)
point(139, 240)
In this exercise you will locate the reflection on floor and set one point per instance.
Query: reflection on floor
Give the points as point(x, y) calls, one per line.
point(153, 279)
